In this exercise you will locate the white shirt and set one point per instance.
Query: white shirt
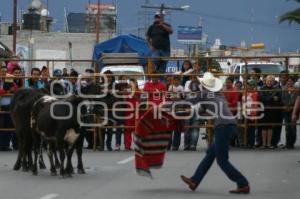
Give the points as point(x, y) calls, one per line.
point(176, 91)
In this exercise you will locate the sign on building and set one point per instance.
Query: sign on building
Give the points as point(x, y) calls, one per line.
point(189, 34)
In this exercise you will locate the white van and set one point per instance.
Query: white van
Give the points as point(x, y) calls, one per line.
point(130, 71)
point(126, 64)
point(265, 67)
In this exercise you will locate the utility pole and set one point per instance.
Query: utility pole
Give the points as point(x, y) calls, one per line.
point(162, 8)
point(96, 65)
point(14, 26)
point(98, 22)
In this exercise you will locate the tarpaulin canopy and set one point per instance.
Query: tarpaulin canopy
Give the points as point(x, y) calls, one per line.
point(122, 44)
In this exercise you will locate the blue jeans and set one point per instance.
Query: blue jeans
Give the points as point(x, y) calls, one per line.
point(219, 151)
point(175, 140)
point(160, 65)
point(191, 135)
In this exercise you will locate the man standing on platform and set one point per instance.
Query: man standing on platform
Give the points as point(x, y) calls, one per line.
point(158, 38)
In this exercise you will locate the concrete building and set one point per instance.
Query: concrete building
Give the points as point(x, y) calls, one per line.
point(54, 46)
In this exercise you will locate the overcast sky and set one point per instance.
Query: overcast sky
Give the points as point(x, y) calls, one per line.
point(230, 20)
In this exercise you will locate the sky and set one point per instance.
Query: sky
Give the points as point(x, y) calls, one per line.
point(232, 21)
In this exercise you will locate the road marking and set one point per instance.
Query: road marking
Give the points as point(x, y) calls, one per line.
point(126, 160)
point(49, 196)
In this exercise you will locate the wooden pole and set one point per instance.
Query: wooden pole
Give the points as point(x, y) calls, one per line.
point(14, 26)
point(98, 22)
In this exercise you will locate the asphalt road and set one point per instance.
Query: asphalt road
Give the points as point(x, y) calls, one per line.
point(111, 175)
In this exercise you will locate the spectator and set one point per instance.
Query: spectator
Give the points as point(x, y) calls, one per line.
point(289, 96)
point(121, 89)
point(155, 89)
point(45, 75)
point(255, 74)
point(191, 135)
point(82, 84)
point(34, 81)
point(134, 101)
point(6, 88)
point(18, 83)
point(176, 93)
point(278, 112)
point(108, 132)
point(57, 86)
point(232, 98)
point(240, 133)
point(186, 69)
point(239, 88)
point(249, 106)
point(168, 81)
point(12, 64)
point(296, 110)
point(65, 72)
point(17, 72)
point(260, 82)
point(231, 95)
point(283, 77)
point(86, 78)
point(297, 82)
point(270, 98)
point(74, 80)
point(197, 68)
point(158, 38)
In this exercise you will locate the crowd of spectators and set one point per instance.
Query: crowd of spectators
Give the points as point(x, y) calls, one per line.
point(277, 96)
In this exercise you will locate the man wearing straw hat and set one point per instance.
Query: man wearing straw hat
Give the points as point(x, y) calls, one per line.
point(211, 102)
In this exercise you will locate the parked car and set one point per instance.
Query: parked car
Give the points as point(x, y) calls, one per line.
point(265, 67)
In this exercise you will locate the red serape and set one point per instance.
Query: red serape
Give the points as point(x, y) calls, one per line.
point(151, 140)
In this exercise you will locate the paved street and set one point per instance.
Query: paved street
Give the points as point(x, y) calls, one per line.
point(111, 175)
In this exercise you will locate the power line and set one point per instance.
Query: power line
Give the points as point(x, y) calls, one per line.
point(242, 21)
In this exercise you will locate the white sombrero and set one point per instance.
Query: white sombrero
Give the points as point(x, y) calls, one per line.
point(210, 82)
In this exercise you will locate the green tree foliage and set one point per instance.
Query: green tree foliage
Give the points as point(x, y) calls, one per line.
point(292, 16)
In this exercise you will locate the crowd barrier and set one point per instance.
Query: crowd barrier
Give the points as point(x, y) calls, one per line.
point(97, 133)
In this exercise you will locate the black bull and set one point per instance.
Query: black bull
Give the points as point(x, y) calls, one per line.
point(21, 109)
point(53, 120)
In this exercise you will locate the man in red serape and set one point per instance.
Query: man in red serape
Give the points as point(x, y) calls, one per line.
point(151, 140)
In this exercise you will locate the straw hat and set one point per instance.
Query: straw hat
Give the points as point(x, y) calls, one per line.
point(210, 82)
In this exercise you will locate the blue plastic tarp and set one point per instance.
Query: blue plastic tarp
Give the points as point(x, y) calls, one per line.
point(122, 44)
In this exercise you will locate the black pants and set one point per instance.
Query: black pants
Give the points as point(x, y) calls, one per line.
point(250, 134)
point(5, 122)
point(290, 130)
point(277, 129)
point(107, 136)
point(276, 135)
point(119, 133)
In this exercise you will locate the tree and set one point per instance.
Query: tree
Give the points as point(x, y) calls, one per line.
point(292, 16)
